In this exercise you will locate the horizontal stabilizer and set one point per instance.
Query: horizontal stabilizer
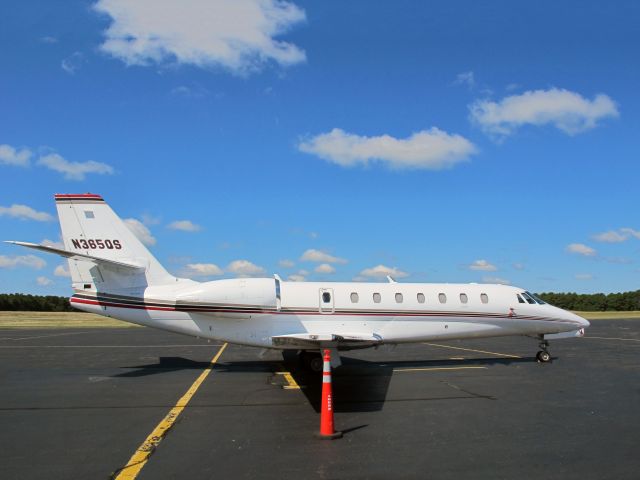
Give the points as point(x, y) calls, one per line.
point(321, 339)
point(78, 256)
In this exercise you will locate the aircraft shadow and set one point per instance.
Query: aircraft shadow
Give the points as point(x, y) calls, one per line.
point(358, 385)
point(362, 386)
point(173, 364)
point(164, 365)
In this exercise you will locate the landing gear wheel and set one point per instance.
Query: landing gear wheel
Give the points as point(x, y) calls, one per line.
point(312, 361)
point(543, 356)
point(316, 363)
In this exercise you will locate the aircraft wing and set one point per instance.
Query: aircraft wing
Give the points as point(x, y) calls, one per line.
point(319, 340)
point(77, 256)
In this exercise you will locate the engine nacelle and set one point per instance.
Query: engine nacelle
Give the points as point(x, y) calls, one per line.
point(255, 292)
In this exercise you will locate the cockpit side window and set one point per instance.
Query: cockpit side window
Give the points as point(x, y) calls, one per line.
point(528, 298)
point(520, 299)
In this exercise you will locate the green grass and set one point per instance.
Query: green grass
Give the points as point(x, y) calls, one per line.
point(608, 315)
point(59, 320)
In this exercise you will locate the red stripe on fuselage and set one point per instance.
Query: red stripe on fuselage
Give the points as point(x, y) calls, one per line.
point(489, 316)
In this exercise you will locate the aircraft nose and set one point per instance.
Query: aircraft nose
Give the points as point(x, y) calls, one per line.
point(584, 323)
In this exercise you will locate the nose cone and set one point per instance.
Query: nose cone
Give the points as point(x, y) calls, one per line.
point(584, 323)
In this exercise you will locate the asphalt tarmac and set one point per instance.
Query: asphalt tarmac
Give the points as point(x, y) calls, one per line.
point(78, 403)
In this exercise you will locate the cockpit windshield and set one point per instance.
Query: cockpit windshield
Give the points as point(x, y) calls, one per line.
point(537, 298)
point(530, 298)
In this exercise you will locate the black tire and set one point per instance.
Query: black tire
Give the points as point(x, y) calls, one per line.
point(312, 361)
point(543, 357)
point(316, 363)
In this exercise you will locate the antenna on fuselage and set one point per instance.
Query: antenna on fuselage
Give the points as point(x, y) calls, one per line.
point(391, 280)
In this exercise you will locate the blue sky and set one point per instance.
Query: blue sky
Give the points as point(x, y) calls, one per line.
point(451, 141)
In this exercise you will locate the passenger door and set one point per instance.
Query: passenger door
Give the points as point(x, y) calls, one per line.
point(325, 297)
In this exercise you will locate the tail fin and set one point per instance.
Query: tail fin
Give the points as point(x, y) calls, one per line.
point(91, 229)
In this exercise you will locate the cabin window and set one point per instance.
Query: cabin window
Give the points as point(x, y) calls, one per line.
point(377, 297)
point(398, 298)
point(442, 297)
point(421, 298)
point(520, 299)
point(464, 298)
point(354, 297)
point(89, 214)
point(326, 297)
point(484, 298)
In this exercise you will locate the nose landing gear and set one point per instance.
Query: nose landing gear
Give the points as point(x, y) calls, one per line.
point(543, 356)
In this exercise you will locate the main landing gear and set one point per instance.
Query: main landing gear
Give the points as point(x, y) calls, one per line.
point(543, 356)
point(312, 360)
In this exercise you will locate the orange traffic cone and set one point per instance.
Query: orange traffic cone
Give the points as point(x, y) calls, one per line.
point(326, 414)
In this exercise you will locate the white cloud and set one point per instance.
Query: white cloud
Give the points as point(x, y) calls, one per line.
point(465, 78)
point(567, 111)
point(286, 263)
point(62, 271)
point(631, 231)
point(318, 256)
point(381, 271)
point(519, 266)
point(483, 265)
point(581, 249)
point(610, 237)
point(48, 39)
point(202, 270)
point(195, 91)
point(12, 156)
point(244, 268)
point(141, 231)
point(74, 170)
point(44, 281)
point(30, 261)
point(24, 212)
point(184, 226)
point(583, 276)
point(428, 149)
point(617, 236)
point(73, 63)
point(150, 219)
point(237, 35)
point(296, 278)
point(498, 280)
point(325, 268)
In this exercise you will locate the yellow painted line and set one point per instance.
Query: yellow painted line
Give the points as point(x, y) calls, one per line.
point(612, 338)
point(291, 382)
point(144, 451)
point(431, 369)
point(472, 350)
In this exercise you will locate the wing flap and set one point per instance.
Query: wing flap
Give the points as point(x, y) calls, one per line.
point(317, 340)
point(78, 256)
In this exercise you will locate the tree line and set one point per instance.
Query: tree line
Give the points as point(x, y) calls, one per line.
point(19, 302)
point(594, 302)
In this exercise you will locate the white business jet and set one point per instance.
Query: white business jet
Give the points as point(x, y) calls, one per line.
point(114, 275)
